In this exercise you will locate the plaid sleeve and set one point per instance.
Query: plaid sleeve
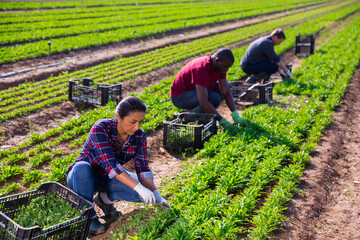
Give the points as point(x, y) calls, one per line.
point(102, 154)
point(140, 159)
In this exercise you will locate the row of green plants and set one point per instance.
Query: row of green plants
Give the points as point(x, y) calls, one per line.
point(101, 34)
point(238, 185)
point(129, 65)
point(36, 138)
point(62, 18)
point(57, 19)
point(128, 21)
point(45, 146)
point(34, 96)
point(79, 4)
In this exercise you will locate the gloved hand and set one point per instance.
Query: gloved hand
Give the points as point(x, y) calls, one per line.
point(288, 74)
point(282, 73)
point(160, 200)
point(236, 117)
point(145, 194)
point(225, 124)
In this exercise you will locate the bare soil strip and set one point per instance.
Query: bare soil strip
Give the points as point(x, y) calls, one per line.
point(328, 205)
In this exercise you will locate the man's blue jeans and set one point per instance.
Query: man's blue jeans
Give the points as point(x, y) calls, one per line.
point(267, 67)
point(189, 99)
point(82, 180)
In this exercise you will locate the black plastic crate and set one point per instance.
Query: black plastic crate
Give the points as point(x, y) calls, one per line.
point(189, 130)
point(255, 93)
point(75, 228)
point(87, 91)
point(305, 45)
point(289, 66)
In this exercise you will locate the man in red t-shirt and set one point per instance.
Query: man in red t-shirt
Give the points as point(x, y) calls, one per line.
point(201, 85)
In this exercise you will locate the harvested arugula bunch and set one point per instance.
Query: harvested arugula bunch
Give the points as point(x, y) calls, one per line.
point(45, 211)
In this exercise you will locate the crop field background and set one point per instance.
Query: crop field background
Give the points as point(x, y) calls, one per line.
point(252, 182)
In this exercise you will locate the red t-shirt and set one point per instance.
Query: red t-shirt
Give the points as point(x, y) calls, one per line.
point(197, 71)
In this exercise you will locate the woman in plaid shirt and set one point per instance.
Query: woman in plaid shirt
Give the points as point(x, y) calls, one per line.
point(98, 168)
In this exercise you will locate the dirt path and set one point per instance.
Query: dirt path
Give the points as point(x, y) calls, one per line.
point(328, 205)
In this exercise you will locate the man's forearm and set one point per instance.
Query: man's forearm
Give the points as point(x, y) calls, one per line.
point(209, 108)
point(225, 91)
point(202, 94)
point(230, 102)
point(282, 66)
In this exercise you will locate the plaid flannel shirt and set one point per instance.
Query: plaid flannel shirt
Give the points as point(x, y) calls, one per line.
point(103, 151)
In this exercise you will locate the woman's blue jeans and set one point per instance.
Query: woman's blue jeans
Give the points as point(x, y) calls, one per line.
point(85, 182)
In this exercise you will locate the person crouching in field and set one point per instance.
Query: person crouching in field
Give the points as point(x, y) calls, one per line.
point(98, 168)
point(201, 85)
point(260, 59)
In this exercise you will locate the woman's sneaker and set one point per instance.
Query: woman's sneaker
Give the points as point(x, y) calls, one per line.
point(111, 213)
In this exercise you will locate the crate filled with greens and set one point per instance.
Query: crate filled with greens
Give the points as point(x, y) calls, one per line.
point(255, 93)
point(189, 131)
point(87, 91)
point(52, 211)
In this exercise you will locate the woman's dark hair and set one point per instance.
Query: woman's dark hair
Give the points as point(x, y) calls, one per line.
point(130, 104)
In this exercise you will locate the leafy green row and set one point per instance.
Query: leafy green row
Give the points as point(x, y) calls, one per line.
point(309, 76)
point(38, 18)
point(246, 161)
point(132, 64)
point(163, 110)
point(92, 39)
point(124, 16)
point(111, 72)
point(227, 216)
point(77, 4)
point(90, 25)
point(290, 32)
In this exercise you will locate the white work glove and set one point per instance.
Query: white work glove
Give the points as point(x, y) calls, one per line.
point(288, 74)
point(145, 194)
point(160, 200)
point(282, 73)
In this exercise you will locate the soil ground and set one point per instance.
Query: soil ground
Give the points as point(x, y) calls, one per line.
point(327, 207)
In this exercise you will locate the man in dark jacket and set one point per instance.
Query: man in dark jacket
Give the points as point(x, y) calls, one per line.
point(260, 59)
